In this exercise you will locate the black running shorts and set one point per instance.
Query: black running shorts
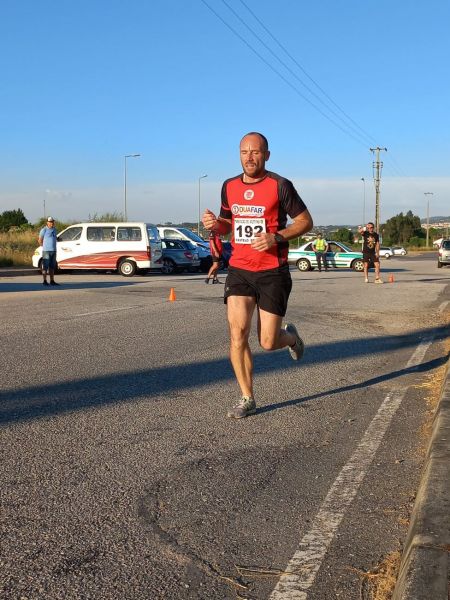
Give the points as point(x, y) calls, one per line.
point(370, 257)
point(270, 288)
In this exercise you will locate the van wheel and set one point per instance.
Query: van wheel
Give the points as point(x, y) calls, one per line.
point(439, 265)
point(127, 268)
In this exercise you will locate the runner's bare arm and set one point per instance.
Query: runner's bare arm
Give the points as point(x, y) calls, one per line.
point(219, 224)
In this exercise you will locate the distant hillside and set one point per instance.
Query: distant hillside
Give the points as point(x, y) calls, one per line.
point(437, 220)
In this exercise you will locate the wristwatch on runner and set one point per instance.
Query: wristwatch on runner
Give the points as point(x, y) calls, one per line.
point(279, 238)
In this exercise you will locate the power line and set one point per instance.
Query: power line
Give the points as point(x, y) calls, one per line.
point(337, 115)
point(291, 85)
point(368, 136)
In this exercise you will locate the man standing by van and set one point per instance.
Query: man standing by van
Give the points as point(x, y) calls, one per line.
point(47, 239)
point(255, 207)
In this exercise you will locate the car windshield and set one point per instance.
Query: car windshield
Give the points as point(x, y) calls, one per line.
point(446, 245)
point(190, 234)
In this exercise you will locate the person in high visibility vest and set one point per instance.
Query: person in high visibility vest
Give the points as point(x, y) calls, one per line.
point(320, 247)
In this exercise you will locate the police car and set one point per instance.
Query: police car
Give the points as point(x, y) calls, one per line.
point(338, 255)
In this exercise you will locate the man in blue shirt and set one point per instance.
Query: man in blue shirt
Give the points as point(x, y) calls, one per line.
point(47, 239)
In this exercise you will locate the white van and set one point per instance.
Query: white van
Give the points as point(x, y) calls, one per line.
point(125, 247)
point(183, 233)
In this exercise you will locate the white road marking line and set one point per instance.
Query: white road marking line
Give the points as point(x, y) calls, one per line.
point(443, 306)
point(302, 569)
point(107, 310)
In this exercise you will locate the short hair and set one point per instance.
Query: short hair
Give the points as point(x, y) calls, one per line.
point(263, 137)
point(370, 223)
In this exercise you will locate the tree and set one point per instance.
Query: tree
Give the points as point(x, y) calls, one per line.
point(401, 228)
point(343, 235)
point(114, 217)
point(12, 218)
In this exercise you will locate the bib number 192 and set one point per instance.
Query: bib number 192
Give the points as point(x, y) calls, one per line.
point(246, 229)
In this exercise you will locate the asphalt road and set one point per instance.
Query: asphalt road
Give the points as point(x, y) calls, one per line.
point(122, 478)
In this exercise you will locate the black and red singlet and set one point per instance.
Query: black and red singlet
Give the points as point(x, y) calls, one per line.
point(259, 207)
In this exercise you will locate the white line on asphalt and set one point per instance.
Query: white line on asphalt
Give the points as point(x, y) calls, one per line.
point(107, 310)
point(443, 306)
point(302, 569)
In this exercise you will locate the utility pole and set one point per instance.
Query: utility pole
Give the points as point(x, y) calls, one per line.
point(377, 167)
point(428, 215)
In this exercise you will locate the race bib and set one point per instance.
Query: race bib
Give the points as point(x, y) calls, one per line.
point(246, 229)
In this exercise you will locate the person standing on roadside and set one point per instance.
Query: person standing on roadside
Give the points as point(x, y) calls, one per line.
point(47, 239)
point(216, 248)
point(320, 248)
point(371, 251)
point(255, 207)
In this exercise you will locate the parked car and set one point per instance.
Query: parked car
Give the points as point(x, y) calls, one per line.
point(125, 247)
point(183, 233)
point(338, 255)
point(178, 256)
point(386, 251)
point(399, 251)
point(444, 254)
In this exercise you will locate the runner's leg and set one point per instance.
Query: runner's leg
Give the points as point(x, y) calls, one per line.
point(240, 311)
point(270, 334)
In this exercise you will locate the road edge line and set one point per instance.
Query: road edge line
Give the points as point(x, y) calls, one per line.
point(425, 564)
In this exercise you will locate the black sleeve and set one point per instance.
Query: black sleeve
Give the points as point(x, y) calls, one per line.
point(290, 201)
point(225, 211)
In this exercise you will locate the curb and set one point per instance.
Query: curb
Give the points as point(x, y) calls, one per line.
point(18, 271)
point(425, 566)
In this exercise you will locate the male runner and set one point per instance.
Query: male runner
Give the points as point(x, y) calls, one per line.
point(255, 206)
point(371, 251)
point(216, 248)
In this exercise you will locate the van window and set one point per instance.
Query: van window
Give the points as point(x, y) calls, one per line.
point(70, 235)
point(153, 234)
point(101, 234)
point(132, 234)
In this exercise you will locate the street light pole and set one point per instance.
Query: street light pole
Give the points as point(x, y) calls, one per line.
point(364, 201)
point(125, 184)
point(198, 222)
point(428, 215)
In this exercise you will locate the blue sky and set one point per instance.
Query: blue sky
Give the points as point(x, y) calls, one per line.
point(85, 83)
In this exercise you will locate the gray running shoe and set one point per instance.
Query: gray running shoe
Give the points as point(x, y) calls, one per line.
point(246, 407)
point(296, 351)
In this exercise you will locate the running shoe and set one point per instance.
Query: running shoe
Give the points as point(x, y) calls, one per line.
point(366, 280)
point(246, 407)
point(53, 283)
point(45, 282)
point(379, 280)
point(296, 351)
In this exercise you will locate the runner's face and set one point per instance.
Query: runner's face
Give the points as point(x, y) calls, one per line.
point(253, 156)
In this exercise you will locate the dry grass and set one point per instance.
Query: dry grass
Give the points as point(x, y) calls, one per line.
point(379, 583)
point(17, 247)
point(433, 383)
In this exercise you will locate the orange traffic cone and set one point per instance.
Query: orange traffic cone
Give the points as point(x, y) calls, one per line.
point(172, 295)
point(391, 278)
